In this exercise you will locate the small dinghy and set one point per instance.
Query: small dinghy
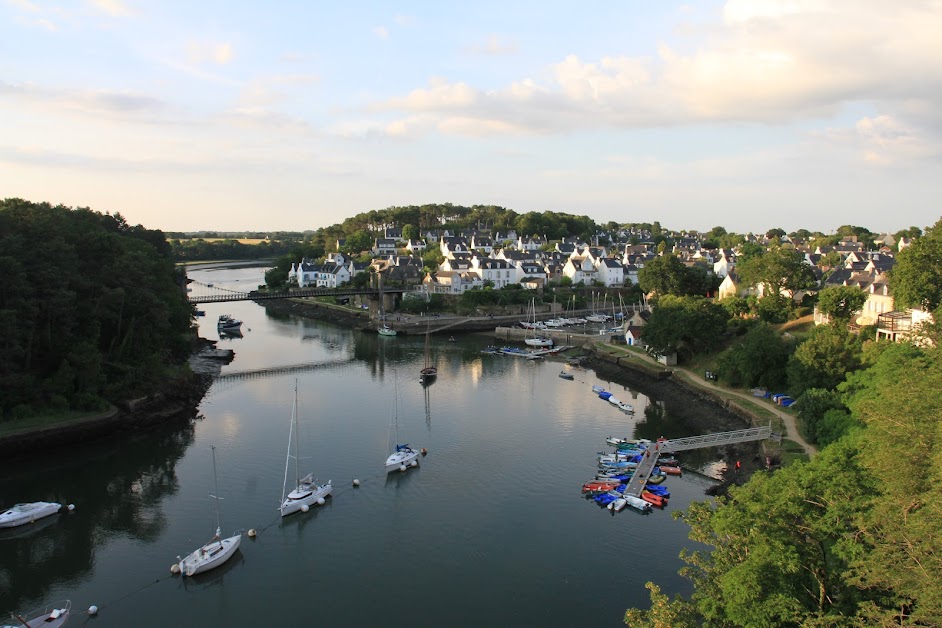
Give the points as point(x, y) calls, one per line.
point(565, 375)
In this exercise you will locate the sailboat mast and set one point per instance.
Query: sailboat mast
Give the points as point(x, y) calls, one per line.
point(297, 437)
point(216, 485)
point(294, 411)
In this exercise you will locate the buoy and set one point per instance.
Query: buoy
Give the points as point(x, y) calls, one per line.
point(402, 467)
point(71, 507)
point(424, 451)
point(414, 463)
point(356, 482)
point(252, 533)
point(304, 508)
point(92, 610)
point(321, 501)
point(175, 568)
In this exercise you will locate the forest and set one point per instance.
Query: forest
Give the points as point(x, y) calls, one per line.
point(93, 310)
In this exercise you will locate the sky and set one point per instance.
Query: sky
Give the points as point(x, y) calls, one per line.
point(295, 115)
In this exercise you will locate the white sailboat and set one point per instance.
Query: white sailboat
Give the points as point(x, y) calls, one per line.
point(52, 616)
point(307, 491)
point(404, 456)
point(535, 340)
point(218, 550)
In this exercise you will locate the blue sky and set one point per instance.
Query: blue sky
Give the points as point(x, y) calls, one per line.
point(749, 114)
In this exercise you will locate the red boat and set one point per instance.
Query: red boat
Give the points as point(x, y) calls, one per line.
point(654, 500)
point(597, 486)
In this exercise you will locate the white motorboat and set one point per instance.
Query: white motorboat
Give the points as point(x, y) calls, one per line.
point(218, 550)
point(21, 514)
point(51, 616)
point(307, 491)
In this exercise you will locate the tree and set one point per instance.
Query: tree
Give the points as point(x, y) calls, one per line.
point(779, 545)
point(277, 276)
point(409, 232)
point(358, 242)
point(775, 234)
point(897, 401)
point(758, 360)
point(666, 274)
point(840, 303)
point(812, 405)
point(92, 309)
point(824, 359)
point(916, 278)
point(431, 259)
point(686, 325)
point(779, 270)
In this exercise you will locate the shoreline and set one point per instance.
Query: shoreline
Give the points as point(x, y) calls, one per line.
point(177, 401)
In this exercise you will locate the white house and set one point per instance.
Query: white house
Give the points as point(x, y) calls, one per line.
point(610, 272)
point(498, 271)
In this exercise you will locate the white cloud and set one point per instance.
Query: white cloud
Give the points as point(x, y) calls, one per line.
point(114, 8)
point(405, 20)
point(767, 62)
point(382, 32)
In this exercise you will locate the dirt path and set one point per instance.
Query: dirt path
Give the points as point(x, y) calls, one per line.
point(791, 429)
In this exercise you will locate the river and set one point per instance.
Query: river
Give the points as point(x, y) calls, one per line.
point(490, 529)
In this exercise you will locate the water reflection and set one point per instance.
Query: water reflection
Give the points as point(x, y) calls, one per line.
point(118, 489)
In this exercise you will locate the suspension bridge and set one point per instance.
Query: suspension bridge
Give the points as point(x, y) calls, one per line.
point(208, 293)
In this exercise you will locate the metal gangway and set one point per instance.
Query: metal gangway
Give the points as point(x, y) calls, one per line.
point(649, 460)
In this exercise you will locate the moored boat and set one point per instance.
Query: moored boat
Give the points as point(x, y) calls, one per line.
point(386, 330)
point(228, 324)
point(566, 375)
point(218, 550)
point(21, 514)
point(51, 616)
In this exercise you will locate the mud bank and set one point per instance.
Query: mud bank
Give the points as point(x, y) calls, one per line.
point(696, 407)
point(318, 311)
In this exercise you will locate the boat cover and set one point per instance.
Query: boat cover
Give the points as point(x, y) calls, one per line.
point(604, 499)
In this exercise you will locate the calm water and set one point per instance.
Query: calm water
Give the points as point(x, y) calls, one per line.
point(491, 529)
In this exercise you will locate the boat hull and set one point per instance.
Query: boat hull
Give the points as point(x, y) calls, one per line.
point(22, 514)
point(305, 495)
point(210, 556)
point(402, 457)
point(51, 616)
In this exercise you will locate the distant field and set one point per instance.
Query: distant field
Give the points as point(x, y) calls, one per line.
point(239, 240)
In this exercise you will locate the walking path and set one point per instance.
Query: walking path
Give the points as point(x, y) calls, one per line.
point(788, 420)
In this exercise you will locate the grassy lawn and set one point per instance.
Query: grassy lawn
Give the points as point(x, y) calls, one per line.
point(45, 420)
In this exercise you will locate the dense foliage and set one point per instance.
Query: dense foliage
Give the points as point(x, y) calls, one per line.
point(666, 274)
point(758, 360)
point(841, 302)
point(824, 359)
point(685, 325)
point(227, 249)
point(850, 538)
point(91, 308)
point(916, 279)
